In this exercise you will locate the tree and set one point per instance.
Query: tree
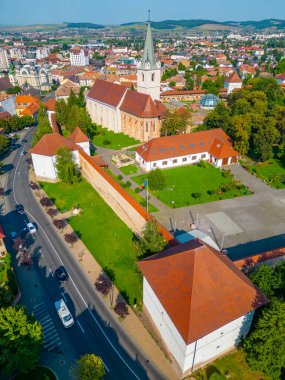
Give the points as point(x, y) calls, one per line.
point(175, 122)
point(43, 128)
point(156, 179)
point(121, 309)
point(220, 117)
point(72, 100)
point(266, 279)
point(265, 138)
point(265, 346)
point(59, 223)
point(71, 238)
point(67, 169)
point(13, 90)
point(172, 84)
point(90, 366)
point(81, 102)
point(152, 240)
point(20, 340)
point(4, 143)
point(241, 133)
point(103, 284)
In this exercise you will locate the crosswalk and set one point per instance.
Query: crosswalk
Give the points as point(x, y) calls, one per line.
point(51, 338)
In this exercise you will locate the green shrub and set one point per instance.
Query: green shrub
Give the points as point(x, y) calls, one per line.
point(106, 142)
point(120, 177)
point(156, 180)
point(202, 164)
point(137, 189)
point(196, 195)
point(128, 184)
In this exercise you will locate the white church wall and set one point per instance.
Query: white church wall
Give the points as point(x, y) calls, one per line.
point(85, 146)
point(44, 166)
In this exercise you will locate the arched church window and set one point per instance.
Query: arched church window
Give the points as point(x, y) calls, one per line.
point(143, 77)
point(153, 126)
point(152, 77)
point(146, 126)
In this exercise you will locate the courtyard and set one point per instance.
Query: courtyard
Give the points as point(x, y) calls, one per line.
point(112, 140)
point(195, 184)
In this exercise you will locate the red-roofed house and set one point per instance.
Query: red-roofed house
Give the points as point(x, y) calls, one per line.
point(79, 138)
point(213, 145)
point(280, 78)
point(200, 303)
point(44, 153)
point(233, 82)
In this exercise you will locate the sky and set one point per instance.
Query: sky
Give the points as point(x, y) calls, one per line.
point(20, 12)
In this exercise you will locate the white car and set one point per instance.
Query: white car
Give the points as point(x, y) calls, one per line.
point(31, 228)
point(63, 313)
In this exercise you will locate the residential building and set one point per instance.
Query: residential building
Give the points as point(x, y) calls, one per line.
point(4, 59)
point(199, 302)
point(233, 82)
point(213, 146)
point(27, 105)
point(34, 75)
point(280, 78)
point(79, 57)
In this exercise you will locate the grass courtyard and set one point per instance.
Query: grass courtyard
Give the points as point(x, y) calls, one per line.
point(130, 169)
point(109, 240)
point(192, 184)
point(111, 140)
point(271, 171)
point(233, 366)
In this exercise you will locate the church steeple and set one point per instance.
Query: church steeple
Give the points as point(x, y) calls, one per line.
point(148, 74)
point(148, 59)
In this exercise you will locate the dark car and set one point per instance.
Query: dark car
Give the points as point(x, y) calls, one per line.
point(20, 209)
point(61, 274)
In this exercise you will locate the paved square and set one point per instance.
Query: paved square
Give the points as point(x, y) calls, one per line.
point(225, 224)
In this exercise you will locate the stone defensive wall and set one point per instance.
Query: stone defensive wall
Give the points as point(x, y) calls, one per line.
point(126, 207)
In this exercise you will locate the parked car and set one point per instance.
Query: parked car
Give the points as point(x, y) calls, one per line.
point(20, 209)
point(61, 274)
point(22, 153)
point(31, 228)
point(63, 313)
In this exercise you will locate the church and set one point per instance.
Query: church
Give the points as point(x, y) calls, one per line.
point(135, 113)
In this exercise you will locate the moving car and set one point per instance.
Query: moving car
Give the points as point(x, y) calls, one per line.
point(31, 228)
point(63, 313)
point(20, 209)
point(61, 274)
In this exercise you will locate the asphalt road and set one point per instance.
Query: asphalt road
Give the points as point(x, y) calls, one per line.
point(96, 330)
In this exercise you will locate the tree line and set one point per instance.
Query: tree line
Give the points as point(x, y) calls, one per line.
point(254, 118)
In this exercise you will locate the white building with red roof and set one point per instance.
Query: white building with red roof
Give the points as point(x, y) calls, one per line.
point(199, 302)
point(233, 82)
point(213, 146)
point(44, 153)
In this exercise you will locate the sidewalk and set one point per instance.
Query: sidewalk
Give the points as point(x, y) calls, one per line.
point(131, 323)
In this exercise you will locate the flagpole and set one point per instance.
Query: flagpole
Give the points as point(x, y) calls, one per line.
point(147, 196)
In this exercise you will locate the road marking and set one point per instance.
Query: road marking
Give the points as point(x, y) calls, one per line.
point(83, 300)
point(79, 324)
point(51, 272)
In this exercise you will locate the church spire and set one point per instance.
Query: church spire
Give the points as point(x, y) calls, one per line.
point(148, 59)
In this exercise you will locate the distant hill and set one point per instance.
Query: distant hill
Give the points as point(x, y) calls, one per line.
point(84, 25)
point(190, 24)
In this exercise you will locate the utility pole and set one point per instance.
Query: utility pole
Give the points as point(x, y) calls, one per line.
point(147, 196)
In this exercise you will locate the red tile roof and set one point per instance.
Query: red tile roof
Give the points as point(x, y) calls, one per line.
point(31, 109)
point(50, 104)
point(5, 115)
point(78, 136)
point(107, 92)
point(233, 78)
point(49, 144)
point(222, 150)
point(200, 288)
point(281, 76)
point(139, 104)
point(186, 144)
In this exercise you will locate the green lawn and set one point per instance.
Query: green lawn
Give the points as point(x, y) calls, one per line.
point(234, 365)
point(130, 169)
point(109, 240)
point(111, 140)
point(182, 182)
point(136, 196)
point(271, 171)
point(39, 373)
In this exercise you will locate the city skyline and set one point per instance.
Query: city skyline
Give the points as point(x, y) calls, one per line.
point(40, 12)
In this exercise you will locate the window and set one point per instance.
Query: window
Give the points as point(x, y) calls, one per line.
point(146, 126)
point(152, 77)
point(143, 77)
point(184, 159)
point(174, 161)
point(164, 162)
point(191, 145)
point(203, 156)
point(194, 158)
point(154, 165)
point(202, 143)
point(153, 126)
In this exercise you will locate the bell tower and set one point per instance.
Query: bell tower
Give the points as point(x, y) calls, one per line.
point(148, 72)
